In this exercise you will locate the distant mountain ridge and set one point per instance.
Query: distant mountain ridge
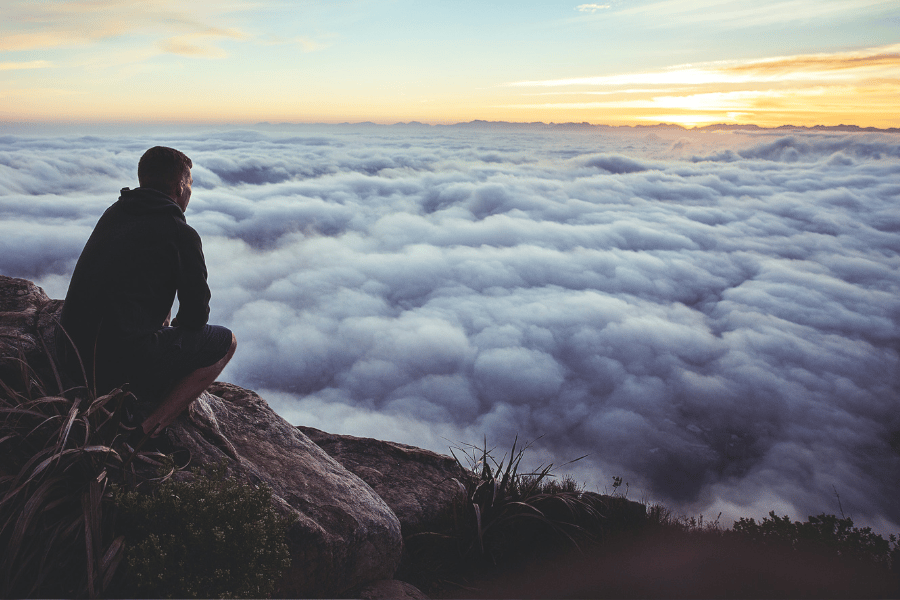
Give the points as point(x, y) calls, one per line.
point(585, 126)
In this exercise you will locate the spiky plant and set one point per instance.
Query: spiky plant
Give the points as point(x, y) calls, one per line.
point(58, 455)
point(502, 518)
point(512, 515)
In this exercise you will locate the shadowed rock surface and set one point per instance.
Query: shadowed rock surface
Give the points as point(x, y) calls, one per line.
point(27, 327)
point(417, 484)
point(345, 535)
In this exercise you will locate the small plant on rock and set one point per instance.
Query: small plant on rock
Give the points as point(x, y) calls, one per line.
point(208, 537)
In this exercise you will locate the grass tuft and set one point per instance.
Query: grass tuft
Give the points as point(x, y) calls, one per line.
point(502, 517)
point(59, 453)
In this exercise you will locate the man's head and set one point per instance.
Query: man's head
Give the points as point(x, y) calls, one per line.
point(168, 171)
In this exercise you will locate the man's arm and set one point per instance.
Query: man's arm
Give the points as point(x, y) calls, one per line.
point(193, 291)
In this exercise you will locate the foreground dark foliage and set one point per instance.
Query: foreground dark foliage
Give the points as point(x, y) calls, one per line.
point(691, 564)
point(76, 507)
point(824, 534)
point(513, 535)
point(58, 457)
point(210, 537)
point(501, 518)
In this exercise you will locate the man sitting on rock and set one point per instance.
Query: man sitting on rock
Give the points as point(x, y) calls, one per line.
point(140, 255)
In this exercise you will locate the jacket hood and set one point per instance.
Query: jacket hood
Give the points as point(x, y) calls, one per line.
point(148, 201)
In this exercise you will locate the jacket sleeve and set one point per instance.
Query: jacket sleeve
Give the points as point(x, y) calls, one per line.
point(193, 291)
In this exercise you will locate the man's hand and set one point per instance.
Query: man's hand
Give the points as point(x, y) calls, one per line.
point(168, 321)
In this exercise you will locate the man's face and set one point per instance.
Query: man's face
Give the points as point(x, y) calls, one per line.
point(184, 191)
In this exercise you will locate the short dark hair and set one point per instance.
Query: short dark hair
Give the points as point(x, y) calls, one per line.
point(162, 168)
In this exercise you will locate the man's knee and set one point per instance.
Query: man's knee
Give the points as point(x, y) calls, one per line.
point(231, 348)
point(228, 354)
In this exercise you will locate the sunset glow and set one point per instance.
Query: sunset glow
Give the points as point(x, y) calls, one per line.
point(622, 62)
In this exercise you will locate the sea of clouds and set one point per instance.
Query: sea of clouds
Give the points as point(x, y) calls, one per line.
point(713, 317)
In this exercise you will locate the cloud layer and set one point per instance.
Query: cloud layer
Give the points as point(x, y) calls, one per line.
point(713, 316)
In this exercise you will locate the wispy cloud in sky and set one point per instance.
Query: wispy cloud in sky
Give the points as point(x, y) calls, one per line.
point(812, 84)
point(741, 14)
point(72, 23)
point(200, 43)
point(591, 8)
point(31, 64)
point(844, 66)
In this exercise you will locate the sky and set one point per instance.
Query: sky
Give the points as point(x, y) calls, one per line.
point(712, 316)
point(616, 62)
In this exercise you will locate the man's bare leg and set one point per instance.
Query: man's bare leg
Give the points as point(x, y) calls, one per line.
point(186, 391)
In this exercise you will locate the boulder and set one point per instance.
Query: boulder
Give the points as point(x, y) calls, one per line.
point(344, 535)
point(417, 484)
point(28, 321)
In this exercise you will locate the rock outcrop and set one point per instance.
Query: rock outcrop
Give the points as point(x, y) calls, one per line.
point(417, 484)
point(28, 321)
point(345, 536)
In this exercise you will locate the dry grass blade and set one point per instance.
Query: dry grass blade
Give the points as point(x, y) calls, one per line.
point(92, 535)
point(111, 560)
point(26, 473)
point(59, 385)
point(30, 380)
point(46, 557)
point(23, 520)
point(102, 401)
point(55, 400)
point(48, 461)
point(89, 537)
point(10, 396)
point(429, 534)
point(459, 485)
point(535, 481)
point(22, 412)
point(62, 330)
point(70, 419)
point(478, 527)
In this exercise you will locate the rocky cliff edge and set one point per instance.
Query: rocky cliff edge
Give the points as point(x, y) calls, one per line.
point(353, 498)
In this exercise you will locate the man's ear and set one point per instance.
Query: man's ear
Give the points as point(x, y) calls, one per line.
point(178, 192)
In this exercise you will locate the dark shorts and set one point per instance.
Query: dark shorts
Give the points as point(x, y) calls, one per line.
point(175, 352)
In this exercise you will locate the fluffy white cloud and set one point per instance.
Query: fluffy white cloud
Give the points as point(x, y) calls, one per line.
point(712, 316)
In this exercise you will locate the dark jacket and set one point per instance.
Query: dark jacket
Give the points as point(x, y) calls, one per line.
point(141, 253)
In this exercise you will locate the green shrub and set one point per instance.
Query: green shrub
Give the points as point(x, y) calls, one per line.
point(824, 533)
point(209, 537)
